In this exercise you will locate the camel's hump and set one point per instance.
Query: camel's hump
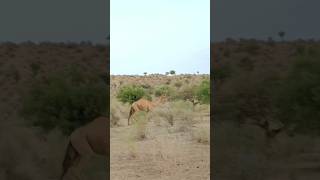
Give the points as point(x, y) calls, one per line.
point(89, 138)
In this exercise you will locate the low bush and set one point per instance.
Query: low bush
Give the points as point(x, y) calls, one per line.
point(131, 93)
point(65, 100)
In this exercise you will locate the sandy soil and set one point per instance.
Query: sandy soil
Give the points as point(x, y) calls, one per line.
point(163, 154)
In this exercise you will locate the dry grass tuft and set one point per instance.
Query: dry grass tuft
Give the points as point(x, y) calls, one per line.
point(202, 135)
point(140, 125)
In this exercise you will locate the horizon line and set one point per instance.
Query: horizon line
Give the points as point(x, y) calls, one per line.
point(159, 74)
point(266, 39)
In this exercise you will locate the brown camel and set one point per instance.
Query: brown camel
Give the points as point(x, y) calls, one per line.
point(85, 142)
point(145, 105)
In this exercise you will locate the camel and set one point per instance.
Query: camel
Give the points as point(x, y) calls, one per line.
point(144, 105)
point(86, 141)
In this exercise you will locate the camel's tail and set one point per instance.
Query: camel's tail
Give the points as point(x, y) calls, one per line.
point(130, 114)
point(70, 157)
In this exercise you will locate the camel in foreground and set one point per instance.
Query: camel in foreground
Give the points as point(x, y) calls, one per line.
point(144, 105)
point(85, 142)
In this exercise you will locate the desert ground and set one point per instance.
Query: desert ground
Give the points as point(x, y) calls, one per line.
point(36, 77)
point(170, 142)
point(28, 152)
point(254, 82)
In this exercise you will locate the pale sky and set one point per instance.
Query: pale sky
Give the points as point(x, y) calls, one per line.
point(156, 36)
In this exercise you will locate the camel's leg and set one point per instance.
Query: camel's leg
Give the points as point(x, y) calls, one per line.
point(72, 174)
point(73, 164)
point(81, 165)
point(76, 171)
point(132, 111)
point(129, 120)
point(148, 116)
point(72, 157)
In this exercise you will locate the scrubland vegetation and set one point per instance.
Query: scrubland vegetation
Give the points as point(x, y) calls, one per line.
point(48, 90)
point(266, 109)
point(266, 113)
point(169, 142)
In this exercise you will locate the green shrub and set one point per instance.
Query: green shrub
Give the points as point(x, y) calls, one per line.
point(35, 68)
point(163, 90)
point(222, 72)
point(132, 93)
point(203, 92)
point(65, 100)
point(195, 93)
point(188, 93)
point(298, 100)
point(146, 86)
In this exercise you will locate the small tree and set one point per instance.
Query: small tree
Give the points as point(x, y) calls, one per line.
point(172, 72)
point(145, 73)
point(130, 94)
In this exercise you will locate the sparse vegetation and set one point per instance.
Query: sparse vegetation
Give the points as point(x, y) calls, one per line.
point(299, 96)
point(162, 135)
point(263, 103)
point(37, 72)
point(203, 92)
point(65, 100)
point(163, 91)
point(202, 135)
point(35, 68)
point(130, 94)
point(140, 125)
point(178, 84)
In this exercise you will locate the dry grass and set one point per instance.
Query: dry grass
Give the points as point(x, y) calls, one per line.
point(160, 144)
point(28, 156)
point(247, 152)
point(202, 135)
point(140, 125)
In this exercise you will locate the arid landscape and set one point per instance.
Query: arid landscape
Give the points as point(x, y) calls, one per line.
point(266, 115)
point(172, 141)
point(48, 87)
point(29, 151)
point(266, 112)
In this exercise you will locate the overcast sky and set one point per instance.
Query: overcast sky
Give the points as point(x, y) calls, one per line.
point(263, 18)
point(54, 20)
point(156, 36)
